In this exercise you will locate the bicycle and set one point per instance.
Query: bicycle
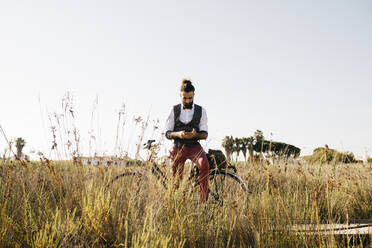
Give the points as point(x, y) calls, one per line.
point(225, 186)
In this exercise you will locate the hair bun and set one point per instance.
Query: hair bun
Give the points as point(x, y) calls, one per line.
point(187, 86)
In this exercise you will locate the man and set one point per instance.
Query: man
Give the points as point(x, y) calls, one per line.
point(187, 124)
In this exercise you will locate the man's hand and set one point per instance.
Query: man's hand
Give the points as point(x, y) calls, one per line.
point(186, 135)
point(190, 135)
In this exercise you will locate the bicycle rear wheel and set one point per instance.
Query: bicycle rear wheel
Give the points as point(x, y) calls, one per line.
point(226, 188)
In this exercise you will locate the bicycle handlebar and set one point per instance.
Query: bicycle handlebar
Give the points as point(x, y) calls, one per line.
point(148, 144)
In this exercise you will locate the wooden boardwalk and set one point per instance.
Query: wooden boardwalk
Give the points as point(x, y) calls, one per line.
point(334, 229)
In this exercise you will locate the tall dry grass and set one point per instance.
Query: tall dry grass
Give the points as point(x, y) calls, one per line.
point(61, 204)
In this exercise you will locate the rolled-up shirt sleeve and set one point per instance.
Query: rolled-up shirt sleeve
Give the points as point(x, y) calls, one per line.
point(170, 125)
point(203, 125)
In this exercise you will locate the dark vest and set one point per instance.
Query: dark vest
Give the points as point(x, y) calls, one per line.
point(180, 126)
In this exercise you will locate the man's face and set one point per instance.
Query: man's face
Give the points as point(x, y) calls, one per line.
point(187, 99)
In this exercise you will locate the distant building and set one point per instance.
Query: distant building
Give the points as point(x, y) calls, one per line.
point(104, 161)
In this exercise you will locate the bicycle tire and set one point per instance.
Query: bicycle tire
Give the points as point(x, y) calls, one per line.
point(128, 185)
point(225, 187)
point(124, 174)
point(140, 175)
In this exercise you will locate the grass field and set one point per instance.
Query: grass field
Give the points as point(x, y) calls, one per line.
point(61, 204)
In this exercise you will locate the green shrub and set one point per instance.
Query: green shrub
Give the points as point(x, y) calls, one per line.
point(333, 156)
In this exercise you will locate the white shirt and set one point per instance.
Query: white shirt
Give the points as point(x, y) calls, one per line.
point(186, 116)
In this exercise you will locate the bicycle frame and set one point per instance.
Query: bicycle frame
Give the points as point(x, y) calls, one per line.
point(217, 175)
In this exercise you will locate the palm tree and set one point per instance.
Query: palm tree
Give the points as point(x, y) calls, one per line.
point(20, 143)
point(244, 145)
point(250, 147)
point(258, 136)
point(237, 147)
point(228, 145)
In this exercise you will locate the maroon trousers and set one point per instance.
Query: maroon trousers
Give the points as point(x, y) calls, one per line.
point(197, 155)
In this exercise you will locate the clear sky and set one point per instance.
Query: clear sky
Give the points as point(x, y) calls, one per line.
point(300, 70)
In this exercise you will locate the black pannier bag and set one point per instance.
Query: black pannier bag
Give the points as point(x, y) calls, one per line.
point(216, 159)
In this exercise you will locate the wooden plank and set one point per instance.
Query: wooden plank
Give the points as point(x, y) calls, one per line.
point(334, 229)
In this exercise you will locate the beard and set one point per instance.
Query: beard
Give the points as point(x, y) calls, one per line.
point(188, 105)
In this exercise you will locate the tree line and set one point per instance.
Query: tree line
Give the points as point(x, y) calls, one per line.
point(256, 145)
